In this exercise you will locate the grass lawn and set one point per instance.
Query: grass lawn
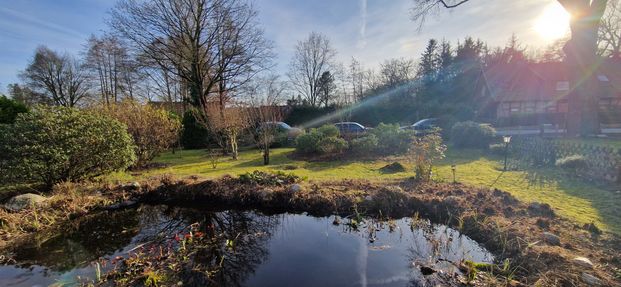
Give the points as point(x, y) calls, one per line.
point(572, 198)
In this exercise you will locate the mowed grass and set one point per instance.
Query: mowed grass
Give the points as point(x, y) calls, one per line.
point(572, 198)
point(197, 162)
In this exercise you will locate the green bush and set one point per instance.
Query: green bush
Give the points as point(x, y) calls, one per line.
point(308, 142)
point(193, 135)
point(328, 145)
point(54, 144)
point(328, 131)
point(364, 145)
point(320, 140)
point(572, 163)
point(9, 109)
point(472, 135)
point(392, 139)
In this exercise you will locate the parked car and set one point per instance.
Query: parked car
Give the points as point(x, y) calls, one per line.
point(424, 126)
point(281, 127)
point(351, 129)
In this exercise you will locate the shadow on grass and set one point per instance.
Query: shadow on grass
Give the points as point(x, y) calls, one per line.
point(551, 180)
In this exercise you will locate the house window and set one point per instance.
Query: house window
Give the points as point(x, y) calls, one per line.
point(529, 107)
point(515, 108)
point(602, 78)
point(551, 107)
point(562, 86)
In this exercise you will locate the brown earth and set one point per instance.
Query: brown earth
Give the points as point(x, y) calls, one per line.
point(510, 229)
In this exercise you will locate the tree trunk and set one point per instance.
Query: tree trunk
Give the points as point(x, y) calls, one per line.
point(583, 63)
point(266, 155)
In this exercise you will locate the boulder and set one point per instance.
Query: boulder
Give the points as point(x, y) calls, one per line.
point(551, 238)
point(591, 280)
point(23, 201)
point(134, 185)
point(582, 262)
point(295, 188)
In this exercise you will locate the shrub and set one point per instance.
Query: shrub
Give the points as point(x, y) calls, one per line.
point(54, 144)
point(9, 109)
point(424, 151)
point(472, 135)
point(193, 135)
point(308, 142)
point(392, 139)
point(572, 163)
point(153, 130)
point(364, 145)
point(328, 145)
point(321, 140)
point(328, 131)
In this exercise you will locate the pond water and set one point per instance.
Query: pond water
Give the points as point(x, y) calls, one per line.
point(248, 249)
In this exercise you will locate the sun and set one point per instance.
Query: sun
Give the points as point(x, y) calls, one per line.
point(553, 23)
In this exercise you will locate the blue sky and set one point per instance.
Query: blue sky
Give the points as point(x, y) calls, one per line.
point(370, 30)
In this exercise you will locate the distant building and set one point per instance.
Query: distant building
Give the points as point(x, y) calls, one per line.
point(537, 93)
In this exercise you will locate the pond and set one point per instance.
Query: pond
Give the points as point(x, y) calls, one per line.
point(246, 248)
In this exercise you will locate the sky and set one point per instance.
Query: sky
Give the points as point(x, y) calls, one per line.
point(369, 30)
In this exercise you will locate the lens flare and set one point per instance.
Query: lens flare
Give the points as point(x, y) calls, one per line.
point(553, 23)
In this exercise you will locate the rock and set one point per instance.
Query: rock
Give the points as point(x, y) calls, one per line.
point(123, 204)
point(265, 194)
point(393, 188)
point(591, 280)
point(295, 188)
point(582, 262)
point(134, 185)
point(24, 201)
point(551, 238)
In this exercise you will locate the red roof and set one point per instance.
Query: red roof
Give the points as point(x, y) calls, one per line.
point(545, 81)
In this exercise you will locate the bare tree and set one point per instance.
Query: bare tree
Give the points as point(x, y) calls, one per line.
point(265, 114)
point(609, 40)
point(397, 71)
point(27, 96)
point(313, 57)
point(111, 68)
point(214, 46)
point(60, 77)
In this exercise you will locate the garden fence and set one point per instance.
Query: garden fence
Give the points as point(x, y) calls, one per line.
point(604, 163)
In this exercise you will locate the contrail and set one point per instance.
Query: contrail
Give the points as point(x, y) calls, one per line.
point(47, 25)
point(362, 41)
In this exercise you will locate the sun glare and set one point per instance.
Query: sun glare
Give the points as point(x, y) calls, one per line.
point(553, 23)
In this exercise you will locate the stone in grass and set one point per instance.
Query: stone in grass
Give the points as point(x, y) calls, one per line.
point(24, 201)
point(295, 188)
point(551, 238)
point(393, 168)
point(582, 262)
point(591, 280)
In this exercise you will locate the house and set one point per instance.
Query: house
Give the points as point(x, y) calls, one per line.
point(532, 94)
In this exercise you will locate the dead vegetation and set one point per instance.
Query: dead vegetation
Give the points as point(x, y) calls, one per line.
point(519, 235)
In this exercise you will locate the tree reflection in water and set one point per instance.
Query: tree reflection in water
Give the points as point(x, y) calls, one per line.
point(204, 248)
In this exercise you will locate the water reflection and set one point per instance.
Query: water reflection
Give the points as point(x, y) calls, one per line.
point(241, 248)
